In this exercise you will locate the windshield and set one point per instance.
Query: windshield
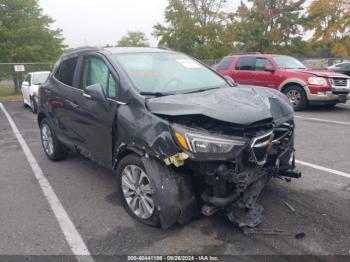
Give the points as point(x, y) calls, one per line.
point(287, 62)
point(39, 78)
point(168, 73)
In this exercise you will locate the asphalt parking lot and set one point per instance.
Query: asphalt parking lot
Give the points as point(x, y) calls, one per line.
point(320, 201)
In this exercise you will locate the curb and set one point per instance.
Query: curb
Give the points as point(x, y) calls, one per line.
point(5, 100)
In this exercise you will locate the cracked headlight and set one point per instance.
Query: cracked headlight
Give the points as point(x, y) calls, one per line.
point(198, 143)
point(317, 81)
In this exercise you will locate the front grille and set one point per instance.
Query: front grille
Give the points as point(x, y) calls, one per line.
point(340, 82)
point(259, 147)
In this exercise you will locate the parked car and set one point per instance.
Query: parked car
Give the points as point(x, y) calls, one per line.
point(30, 88)
point(178, 135)
point(343, 68)
point(288, 75)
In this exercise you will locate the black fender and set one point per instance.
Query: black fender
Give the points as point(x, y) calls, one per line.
point(174, 195)
point(124, 149)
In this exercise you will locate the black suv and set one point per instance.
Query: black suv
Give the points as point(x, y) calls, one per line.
point(180, 137)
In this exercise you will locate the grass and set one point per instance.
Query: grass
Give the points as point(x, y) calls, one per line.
point(7, 93)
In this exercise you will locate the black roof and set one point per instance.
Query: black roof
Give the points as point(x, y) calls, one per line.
point(118, 50)
point(126, 50)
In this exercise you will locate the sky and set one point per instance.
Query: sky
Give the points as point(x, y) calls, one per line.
point(102, 22)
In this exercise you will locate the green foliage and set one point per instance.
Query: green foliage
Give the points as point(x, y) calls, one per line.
point(330, 22)
point(202, 29)
point(25, 34)
point(195, 27)
point(134, 39)
point(268, 25)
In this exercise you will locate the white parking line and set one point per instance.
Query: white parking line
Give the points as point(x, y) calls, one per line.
point(71, 234)
point(325, 169)
point(322, 120)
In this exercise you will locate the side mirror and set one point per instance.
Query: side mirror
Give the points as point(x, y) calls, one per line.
point(25, 83)
point(269, 69)
point(95, 92)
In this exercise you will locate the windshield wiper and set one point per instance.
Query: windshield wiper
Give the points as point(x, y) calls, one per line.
point(200, 90)
point(156, 94)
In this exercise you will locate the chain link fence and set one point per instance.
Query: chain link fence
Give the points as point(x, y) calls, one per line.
point(10, 78)
point(210, 62)
point(321, 63)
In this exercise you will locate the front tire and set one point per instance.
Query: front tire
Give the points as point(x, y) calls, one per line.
point(54, 150)
point(137, 190)
point(297, 97)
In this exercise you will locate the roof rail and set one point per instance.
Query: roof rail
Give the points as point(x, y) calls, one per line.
point(164, 48)
point(83, 48)
point(247, 53)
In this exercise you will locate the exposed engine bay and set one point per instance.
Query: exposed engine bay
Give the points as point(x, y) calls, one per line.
point(235, 184)
point(231, 156)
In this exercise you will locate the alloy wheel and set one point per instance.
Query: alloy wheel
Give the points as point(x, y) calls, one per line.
point(47, 139)
point(137, 191)
point(294, 97)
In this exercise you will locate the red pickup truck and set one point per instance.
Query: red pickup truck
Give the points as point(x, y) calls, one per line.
point(290, 76)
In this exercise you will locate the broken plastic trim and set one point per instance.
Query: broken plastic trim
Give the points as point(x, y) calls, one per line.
point(256, 143)
point(177, 160)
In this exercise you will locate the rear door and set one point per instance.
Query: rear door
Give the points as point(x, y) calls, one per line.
point(224, 66)
point(94, 121)
point(59, 92)
point(244, 70)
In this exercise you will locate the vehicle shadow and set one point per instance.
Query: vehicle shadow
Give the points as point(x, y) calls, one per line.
point(318, 108)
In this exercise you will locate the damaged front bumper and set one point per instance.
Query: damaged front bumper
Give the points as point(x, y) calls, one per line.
point(234, 184)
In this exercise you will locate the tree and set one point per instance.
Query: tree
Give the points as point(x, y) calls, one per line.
point(196, 27)
point(25, 34)
point(134, 38)
point(329, 20)
point(268, 25)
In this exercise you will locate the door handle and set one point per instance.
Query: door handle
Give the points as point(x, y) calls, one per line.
point(86, 95)
point(48, 92)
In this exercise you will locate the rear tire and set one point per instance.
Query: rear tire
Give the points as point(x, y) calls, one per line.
point(53, 148)
point(34, 104)
point(297, 97)
point(136, 189)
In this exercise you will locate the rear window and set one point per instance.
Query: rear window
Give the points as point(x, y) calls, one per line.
point(246, 63)
point(225, 63)
point(65, 71)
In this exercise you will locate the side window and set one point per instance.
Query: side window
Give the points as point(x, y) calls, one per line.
point(225, 63)
point(65, 71)
point(246, 63)
point(95, 71)
point(261, 63)
point(112, 87)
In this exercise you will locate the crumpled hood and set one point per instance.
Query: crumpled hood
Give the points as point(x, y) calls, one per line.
point(322, 73)
point(239, 105)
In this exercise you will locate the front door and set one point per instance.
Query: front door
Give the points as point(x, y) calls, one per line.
point(95, 120)
point(265, 78)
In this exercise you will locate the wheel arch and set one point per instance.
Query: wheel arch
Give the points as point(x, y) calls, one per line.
point(41, 117)
point(286, 85)
point(123, 150)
